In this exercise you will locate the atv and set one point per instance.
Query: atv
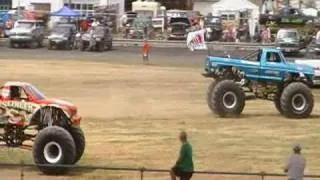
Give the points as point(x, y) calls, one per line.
point(51, 126)
point(264, 74)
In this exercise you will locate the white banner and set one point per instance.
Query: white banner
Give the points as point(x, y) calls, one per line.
point(195, 40)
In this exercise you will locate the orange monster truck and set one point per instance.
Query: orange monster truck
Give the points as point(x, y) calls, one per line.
point(51, 126)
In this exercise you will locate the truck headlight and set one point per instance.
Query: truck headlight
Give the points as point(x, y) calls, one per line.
point(209, 29)
point(98, 39)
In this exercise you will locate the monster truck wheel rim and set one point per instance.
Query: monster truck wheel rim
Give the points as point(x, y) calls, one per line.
point(229, 100)
point(299, 102)
point(52, 152)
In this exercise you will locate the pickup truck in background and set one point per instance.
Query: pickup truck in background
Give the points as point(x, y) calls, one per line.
point(267, 75)
point(287, 15)
point(289, 41)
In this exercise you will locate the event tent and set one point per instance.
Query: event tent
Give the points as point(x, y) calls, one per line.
point(232, 7)
point(65, 12)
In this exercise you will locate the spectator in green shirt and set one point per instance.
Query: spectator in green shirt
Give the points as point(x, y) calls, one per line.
point(184, 165)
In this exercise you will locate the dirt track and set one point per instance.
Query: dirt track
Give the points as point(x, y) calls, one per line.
point(132, 114)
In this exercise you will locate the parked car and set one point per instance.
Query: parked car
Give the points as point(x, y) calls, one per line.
point(287, 15)
point(97, 38)
point(178, 28)
point(62, 36)
point(27, 33)
point(315, 45)
point(213, 26)
point(141, 28)
point(288, 41)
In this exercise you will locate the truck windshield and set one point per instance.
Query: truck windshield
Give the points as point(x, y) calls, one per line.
point(213, 20)
point(61, 30)
point(287, 34)
point(34, 92)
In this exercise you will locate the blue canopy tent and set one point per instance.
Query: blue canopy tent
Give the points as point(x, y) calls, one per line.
point(4, 16)
point(65, 12)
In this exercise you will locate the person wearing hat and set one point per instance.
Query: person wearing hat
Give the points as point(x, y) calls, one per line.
point(295, 165)
point(184, 165)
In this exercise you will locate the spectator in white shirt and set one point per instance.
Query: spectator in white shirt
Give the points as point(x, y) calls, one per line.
point(95, 23)
point(295, 165)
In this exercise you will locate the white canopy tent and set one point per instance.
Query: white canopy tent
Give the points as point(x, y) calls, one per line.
point(236, 6)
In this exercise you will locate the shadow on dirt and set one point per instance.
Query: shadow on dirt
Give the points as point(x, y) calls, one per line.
point(71, 173)
point(256, 115)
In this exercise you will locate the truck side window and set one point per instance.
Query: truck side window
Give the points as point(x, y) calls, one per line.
point(259, 56)
point(273, 57)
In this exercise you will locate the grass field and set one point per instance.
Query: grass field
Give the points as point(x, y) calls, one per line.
point(132, 115)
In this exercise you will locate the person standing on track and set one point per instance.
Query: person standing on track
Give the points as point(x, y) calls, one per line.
point(145, 51)
point(84, 25)
point(184, 165)
point(295, 165)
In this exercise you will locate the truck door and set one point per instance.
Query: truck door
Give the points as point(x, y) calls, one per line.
point(272, 68)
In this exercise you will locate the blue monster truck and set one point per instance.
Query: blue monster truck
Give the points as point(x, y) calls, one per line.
point(266, 75)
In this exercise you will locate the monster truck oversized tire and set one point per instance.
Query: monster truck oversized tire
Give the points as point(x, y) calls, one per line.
point(277, 101)
point(81, 46)
point(226, 98)
point(54, 145)
point(11, 44)
point(209, 93)
point(109, 46)
point(100, 46)
point(297, 100)
point(79, 140)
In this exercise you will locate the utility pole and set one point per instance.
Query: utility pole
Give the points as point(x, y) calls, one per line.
point(19, 10)
point(277, 6)
point(69, 3)
point(300, 4)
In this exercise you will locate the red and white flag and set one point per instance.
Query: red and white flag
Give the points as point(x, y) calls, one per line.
point(195, 40)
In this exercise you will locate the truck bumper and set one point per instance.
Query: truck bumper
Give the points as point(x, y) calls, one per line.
point(289, 49)
point(207, 74)
point(21, 39)
point(177, 36)
point(316, 81)
point(56, 42)
point(75, 120)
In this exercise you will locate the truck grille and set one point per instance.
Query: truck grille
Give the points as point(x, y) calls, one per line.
point(316, 78)
point(288, 45)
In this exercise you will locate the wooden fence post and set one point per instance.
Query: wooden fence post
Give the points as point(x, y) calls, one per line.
point(262, 175)
point(22, 170)
point(141, 173)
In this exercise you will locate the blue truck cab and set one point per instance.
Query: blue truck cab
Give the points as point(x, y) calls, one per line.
point(262, 65)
